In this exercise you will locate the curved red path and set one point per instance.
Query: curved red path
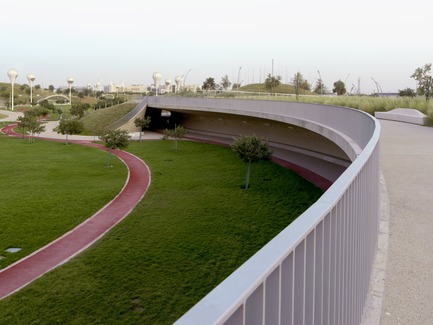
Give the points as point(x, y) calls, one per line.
point(24, 271)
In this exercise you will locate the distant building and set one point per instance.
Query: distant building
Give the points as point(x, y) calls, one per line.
point(131, 89)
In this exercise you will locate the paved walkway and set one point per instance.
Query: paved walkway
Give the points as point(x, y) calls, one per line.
point(21, 273)
point(11, 116)
point(407, 162)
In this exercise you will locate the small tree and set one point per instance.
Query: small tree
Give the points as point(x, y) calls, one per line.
point(339, 88)
point(175, 134)
point(69, 127)
point(225, 83)
point(299, 83)
point(142, 123)
point(250, 149)
point(115, 139)
point(35, 127)
point(319, 88)
point(30, 122)
point(209, 84)
point(424, 80)
point(79, 109)
point(408, 92)
point(272, 82)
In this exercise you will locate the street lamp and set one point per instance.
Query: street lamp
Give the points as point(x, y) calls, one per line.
point(12, 74)
point(237, 84)
point(70, 82)
point(157, 80)
point(31, 77)
point(178, 80)
point(184, 79)
point(378, 87)
point(321, 87)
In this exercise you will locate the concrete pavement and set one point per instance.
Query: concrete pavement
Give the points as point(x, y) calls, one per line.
point(50, 134)
point(406, 162)
point(11, 116)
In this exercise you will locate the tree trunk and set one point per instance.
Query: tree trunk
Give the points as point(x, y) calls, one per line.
point(109, 156)
point(247, 179)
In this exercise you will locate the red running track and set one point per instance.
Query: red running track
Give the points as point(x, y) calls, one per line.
point(24, 271)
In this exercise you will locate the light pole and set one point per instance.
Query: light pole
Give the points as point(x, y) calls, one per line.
point(237, 84)
point(178, 80)
point(378, 87)
point(184, 79)
point(12, 74)
point(157, 80)
point(31, 77)
point(70, 82)
point(321, 82)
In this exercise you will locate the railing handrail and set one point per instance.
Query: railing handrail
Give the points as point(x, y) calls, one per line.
point(233, 293)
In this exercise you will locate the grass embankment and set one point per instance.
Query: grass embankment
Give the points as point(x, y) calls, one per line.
point(364, 103)
point(96, 121)
point(47, 189)
point(194, 227)
point(281, 89)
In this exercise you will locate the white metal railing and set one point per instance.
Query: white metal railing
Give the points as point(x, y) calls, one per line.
point(317, 270)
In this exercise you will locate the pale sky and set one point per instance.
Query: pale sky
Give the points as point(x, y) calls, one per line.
point(127, 40)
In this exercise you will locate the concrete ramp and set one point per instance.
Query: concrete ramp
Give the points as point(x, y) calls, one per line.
point(406, 115)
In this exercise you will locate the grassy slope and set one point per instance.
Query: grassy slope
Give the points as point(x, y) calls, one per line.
point(193, 228)
point(48, 188)
point(96, 121)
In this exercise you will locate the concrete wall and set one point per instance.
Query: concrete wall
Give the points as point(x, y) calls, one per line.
point(290, 128)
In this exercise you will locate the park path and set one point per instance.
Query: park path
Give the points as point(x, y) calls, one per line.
point(406, 162)
point(24, 271)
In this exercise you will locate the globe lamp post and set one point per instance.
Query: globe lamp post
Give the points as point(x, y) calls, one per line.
point(31, 77)
point(178, 80)
point(70, 82)
point(157, 80)
point(12, 74)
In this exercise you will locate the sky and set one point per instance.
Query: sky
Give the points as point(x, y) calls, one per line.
point(127, 41)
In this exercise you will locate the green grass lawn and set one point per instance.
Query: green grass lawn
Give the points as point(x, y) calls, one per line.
point(48, 188)
point(193, 228)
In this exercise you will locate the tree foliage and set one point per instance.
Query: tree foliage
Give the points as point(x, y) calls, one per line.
point(407, 92)
point(69, 127)
point(250, 149)
point(79, 109)
point(299, 83)
point(225, 83)
point(175, 134)
point(30, 123)
point(423, 77)
point(272, 82)
point(319, 88)
point(46, 104)
point(339, 88)
point(115, 139)
point(142, 123)
point(209, 84)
